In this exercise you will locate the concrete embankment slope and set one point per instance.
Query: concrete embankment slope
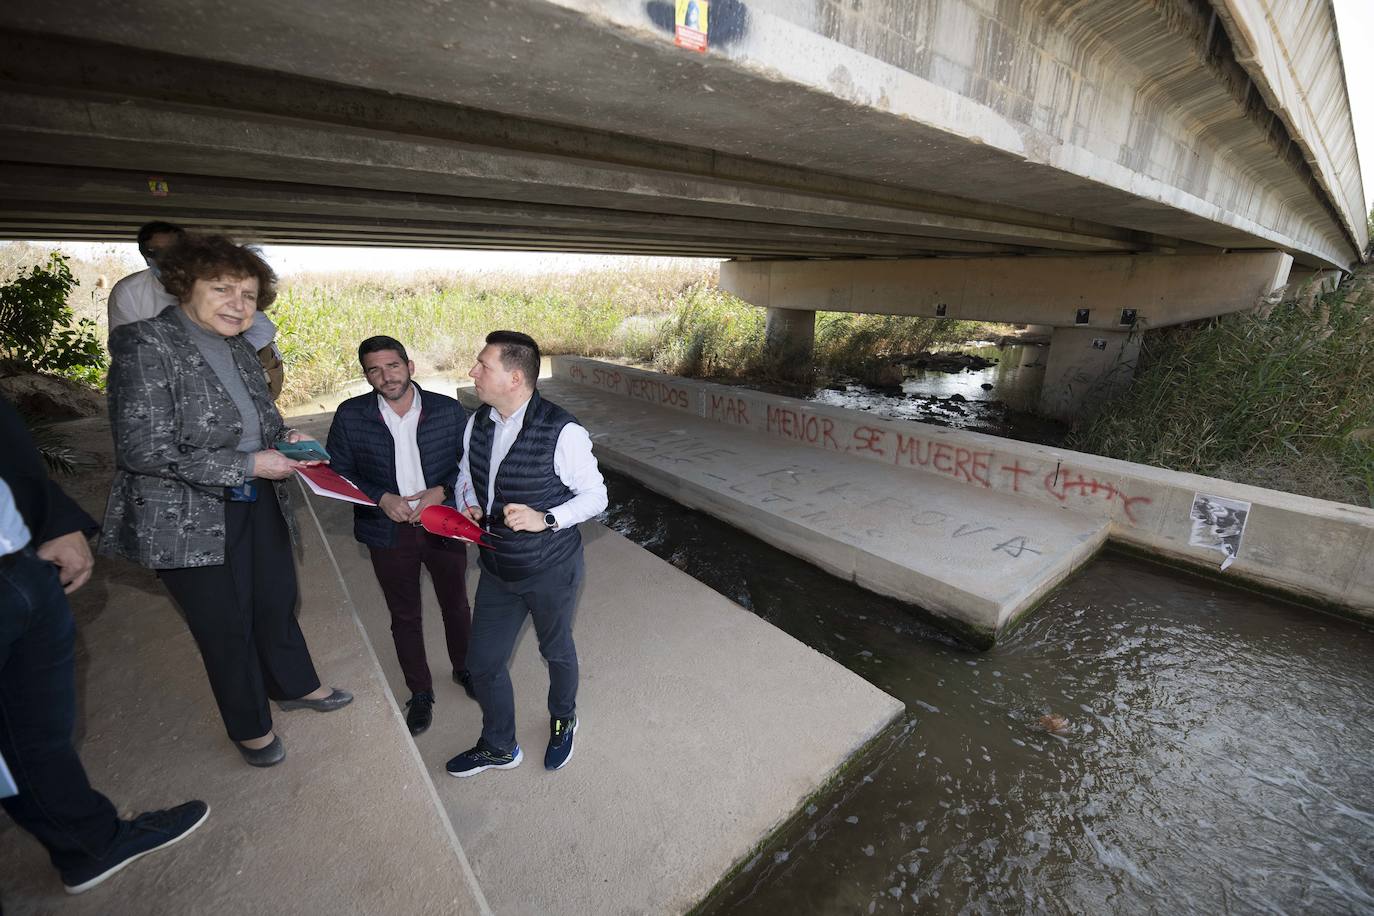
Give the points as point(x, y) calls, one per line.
point(702, 729)
point(973, 527)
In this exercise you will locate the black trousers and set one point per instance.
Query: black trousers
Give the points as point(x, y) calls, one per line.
point(55, 803)
point(242, 615)
point(398, 573)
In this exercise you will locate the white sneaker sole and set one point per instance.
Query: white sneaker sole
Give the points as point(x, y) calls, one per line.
point(519, 756)
point(82, 888)
point(573, 739)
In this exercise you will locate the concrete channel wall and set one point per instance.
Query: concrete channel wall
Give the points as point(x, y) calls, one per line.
point(1316, 551)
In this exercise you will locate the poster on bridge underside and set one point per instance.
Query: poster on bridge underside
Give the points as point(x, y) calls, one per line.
point(1218, 524)
point(690, 25)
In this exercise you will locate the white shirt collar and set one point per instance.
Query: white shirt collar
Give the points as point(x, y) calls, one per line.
point(386, 410)
point(517, 418)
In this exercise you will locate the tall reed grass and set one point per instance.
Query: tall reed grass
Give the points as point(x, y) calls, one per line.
point(443, 319)
point(1281, 397)
point(674, 318)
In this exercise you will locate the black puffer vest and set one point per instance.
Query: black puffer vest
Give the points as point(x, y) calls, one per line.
point(526, 476)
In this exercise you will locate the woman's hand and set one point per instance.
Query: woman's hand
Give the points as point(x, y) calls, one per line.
point(294, 435)
point(273, 465)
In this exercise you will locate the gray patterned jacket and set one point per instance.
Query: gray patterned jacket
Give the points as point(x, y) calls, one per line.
point(176, 433)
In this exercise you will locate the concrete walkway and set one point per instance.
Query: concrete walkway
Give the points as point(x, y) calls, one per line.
point(977, 557)
point(975, 528)
point(703, 729)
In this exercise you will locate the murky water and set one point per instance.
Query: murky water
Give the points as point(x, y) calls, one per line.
point(960, 400)
point(1216, 757)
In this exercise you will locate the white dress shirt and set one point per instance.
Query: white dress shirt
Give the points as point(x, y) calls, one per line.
point(410, 474)
point(14, 534)
point(138, 297)
point(573, 462)
point(262, 332)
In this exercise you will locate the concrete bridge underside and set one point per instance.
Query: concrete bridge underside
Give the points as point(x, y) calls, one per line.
point(884, 129)
point(863, 132)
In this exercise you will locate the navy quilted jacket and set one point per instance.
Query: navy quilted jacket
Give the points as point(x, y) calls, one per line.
point(361, 448)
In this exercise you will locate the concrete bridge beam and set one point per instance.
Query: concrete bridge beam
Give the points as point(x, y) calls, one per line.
point(1117, 291)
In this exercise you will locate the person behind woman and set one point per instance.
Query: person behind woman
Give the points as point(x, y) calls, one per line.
point(195, 496)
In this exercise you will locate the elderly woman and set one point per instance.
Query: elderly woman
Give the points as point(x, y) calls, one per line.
point(195, 494)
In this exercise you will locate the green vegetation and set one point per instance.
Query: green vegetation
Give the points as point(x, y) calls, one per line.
point(443, 319)
point(673, 318)
point(39, 332)
point(714, 335)
point(864, 346)
point(1282, 397)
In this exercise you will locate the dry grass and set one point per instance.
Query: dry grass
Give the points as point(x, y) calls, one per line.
point(443, 319)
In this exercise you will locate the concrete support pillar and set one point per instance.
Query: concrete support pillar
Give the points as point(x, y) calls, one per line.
point(788, 340)
point(1086, 368)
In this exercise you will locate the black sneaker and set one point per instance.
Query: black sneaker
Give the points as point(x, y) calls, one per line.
point(484, 757)
point(561, 732)
point(419, 712)
point(464, 680)
point(149, 832)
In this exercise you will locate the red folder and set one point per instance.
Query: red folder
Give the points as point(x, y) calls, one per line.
point(325, 481)
point(449, 522)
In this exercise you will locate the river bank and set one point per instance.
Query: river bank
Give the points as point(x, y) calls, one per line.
point(1147, 741)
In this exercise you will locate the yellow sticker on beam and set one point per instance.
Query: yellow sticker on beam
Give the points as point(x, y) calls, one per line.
point(690, 31)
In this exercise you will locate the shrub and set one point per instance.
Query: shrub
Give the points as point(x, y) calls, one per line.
point(38, 331)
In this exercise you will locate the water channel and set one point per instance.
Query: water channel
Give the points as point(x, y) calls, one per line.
point(998, 399)
point(1213, 752)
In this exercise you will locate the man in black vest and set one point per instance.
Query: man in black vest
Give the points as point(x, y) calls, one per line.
point(528, 474)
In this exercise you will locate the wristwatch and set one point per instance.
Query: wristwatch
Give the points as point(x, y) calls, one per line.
point(550, 521)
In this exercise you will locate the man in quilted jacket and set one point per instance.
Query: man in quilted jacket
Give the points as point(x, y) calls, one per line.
point(401, 445)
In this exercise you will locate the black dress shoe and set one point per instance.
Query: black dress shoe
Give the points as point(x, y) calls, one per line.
point(268, 756)
point(464, 680)
point(419, 712)
point(337, 699)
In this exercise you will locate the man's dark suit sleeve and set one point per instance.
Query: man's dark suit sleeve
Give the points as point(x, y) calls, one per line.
point(48, 512)
point(341, 457)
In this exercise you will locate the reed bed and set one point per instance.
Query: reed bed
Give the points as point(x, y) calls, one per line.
point(1280, 397)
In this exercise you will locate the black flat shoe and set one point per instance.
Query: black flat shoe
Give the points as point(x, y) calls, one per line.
point(268, 756)
point(419, 712)
point(336, 700)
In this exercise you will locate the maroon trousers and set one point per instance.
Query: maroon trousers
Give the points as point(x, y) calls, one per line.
point(398, 573)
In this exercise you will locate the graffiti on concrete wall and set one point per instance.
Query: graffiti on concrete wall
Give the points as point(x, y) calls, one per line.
point(899, 447)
